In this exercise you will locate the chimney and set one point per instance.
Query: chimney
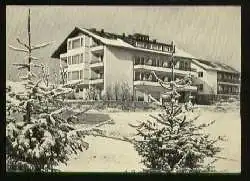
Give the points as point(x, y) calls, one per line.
point(154, 40)
point(102, 30)
point(123, 35)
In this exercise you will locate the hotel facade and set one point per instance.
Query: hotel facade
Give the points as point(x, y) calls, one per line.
point(100, 60)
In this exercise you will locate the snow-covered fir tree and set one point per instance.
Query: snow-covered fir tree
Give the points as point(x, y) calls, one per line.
point(172, 141)
point(38, 138)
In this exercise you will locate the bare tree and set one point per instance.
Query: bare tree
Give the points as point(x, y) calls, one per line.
point(108, 93)
point(125, 92)
point(117, 90)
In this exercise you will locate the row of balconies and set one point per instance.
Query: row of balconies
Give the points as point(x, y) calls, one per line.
point(234, 81)
point(165, 65)
point(228, 92)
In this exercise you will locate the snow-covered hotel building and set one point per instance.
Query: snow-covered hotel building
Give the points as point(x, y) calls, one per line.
point(100, 59)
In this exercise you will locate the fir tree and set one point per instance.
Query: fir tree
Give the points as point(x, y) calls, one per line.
point(37, 137)
point(172, 141)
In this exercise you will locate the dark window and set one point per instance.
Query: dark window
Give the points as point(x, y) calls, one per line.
point(140, 98)
point(200, 87)
point(200, 74)
point(81, 74)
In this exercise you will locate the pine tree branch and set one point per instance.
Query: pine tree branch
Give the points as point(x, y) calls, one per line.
point(18, 49)
point(158, 120)
point(24, 44)
point(42, 45)
point(155, 101)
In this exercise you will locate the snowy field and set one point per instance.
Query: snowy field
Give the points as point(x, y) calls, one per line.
point(108, 155)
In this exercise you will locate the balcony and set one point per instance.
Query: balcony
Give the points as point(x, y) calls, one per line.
point(96, 65)
point(96, 81)
point(228, 81)
point(99, 49)
point(164, 69)
point(227, 93)
point(71, 83)
point(145, 83)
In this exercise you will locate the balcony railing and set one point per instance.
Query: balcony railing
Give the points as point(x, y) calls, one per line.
point(166, 66)
point(97, 49)
point(96, 81)
point(229, 81)
point(229, 93)
point(97, 64)
point(156, 84)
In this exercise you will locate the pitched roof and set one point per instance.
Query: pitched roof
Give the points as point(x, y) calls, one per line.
point(216, 66)
point(116, 40)
point(112, 40)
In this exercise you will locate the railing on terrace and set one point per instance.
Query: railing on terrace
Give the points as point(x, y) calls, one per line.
point(152, 80)
point(229, 80)
point(95, 78)
point(96, 61)
point(168, 66)
point(229, 93)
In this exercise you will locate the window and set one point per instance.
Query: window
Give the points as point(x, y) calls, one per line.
point(140, 98)
point(142, 60)
point(219, 76)
point(165, 49)
point(140, 44)
point(159, 47)
point(220, 88)
point(81, 74)
point(76, 43)
point(69, 45)
point(81, 58)
point(69, 60)
point(200, 74)
point(75, 75)
point(75, 59)
point(200, 87)
point(181, 65)
point(69, 75)
point(82, 43)
point(187, 65)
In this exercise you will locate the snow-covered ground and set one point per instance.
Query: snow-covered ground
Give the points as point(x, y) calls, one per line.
point(108, 155)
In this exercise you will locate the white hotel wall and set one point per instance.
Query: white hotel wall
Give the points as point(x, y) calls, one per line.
point(209, 80)
point(118, 67)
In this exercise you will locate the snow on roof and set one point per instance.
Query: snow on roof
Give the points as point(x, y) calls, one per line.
point(117, 42)
point(120, 43)
point(217, 66)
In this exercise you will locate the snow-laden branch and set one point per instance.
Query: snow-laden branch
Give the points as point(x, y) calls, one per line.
point(155, 101)
point(42, 45)
point(22, 43)
point(18, 49)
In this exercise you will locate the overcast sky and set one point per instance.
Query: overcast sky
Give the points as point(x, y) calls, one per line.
point(209, 32)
